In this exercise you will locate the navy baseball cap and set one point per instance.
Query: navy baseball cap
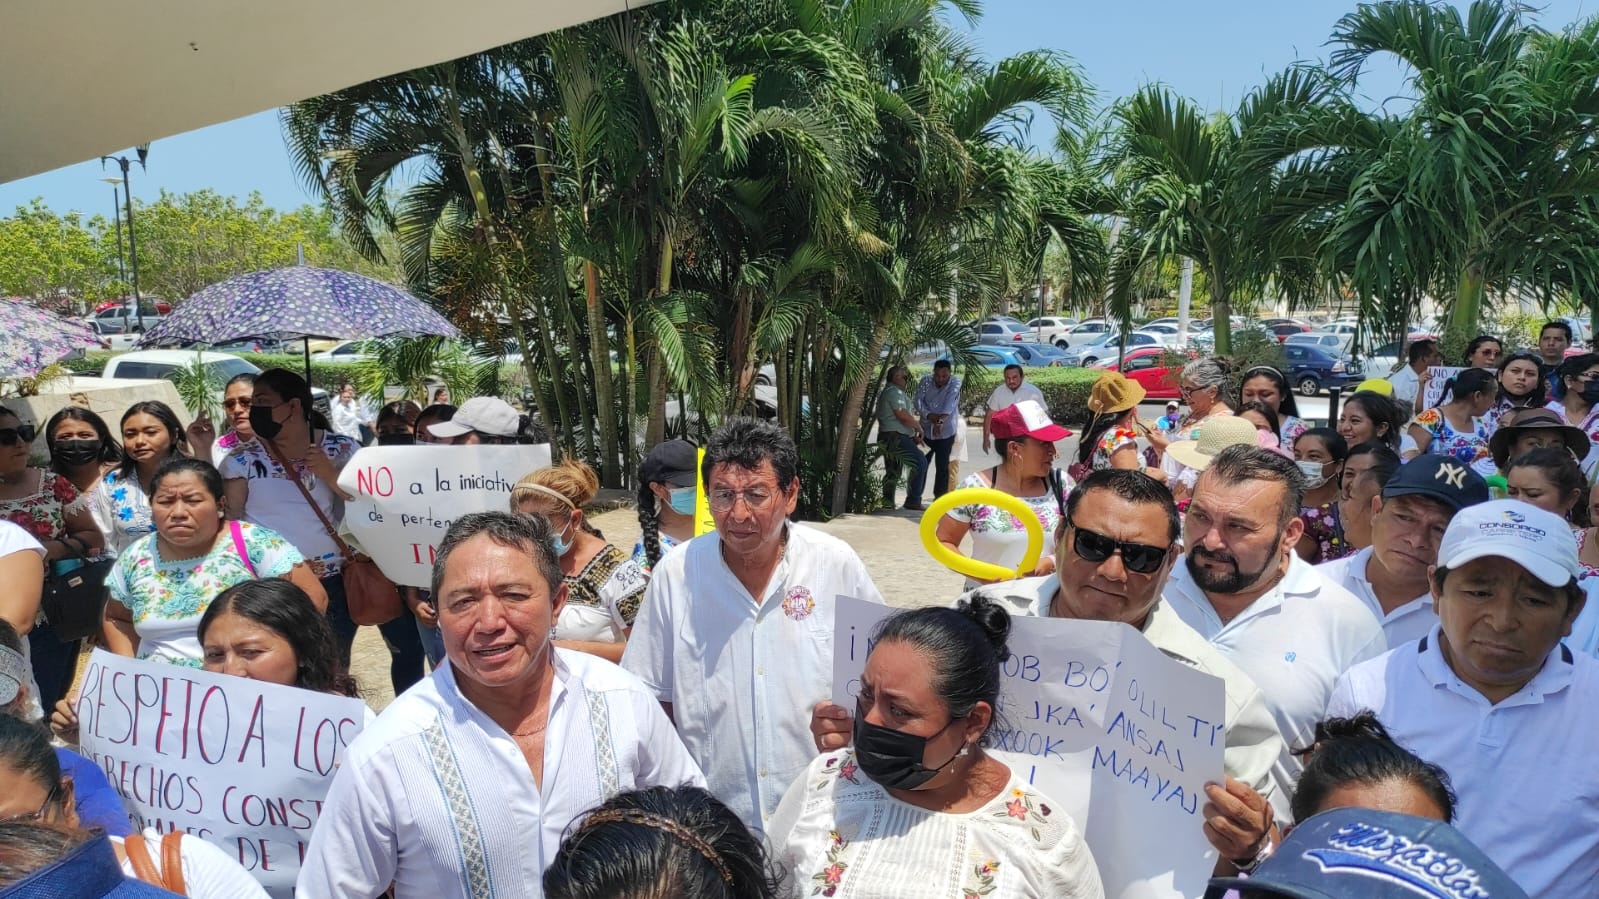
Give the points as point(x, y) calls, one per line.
point(1359, 853)
point(1443, 478)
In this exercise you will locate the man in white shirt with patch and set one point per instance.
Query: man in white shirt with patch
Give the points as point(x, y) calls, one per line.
point(1243, 588)
point(1012, 391)
point(466, 783)
point(735, 636)
point(1494, 697)
point(1408, 521)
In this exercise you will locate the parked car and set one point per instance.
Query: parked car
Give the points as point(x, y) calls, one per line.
point(1332, 343)
point(115, 320)
point(1051, 354)
point(1312, 368)
point(1108, 347)
point(1194, 325)
point(1050, 328)
point(165, 364)
point(1152, 368)
point(1282, 328)
point(1085, 332)
point(1001, 356)
point(1003, 333)
point(345, 351)
point(162, 307)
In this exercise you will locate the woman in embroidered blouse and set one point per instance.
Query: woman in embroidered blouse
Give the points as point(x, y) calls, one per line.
point(48, 507)
point(151, 435)
point(1111, 440)
point(1265, 384)
point(81, 448)
point(236, 399)
point(162, 585)
point(604, 586)
point(1024, 438)
point(1455, 427)
point(917, 808)
point(1320, 454)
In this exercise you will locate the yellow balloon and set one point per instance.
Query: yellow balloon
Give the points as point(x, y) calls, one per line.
point(972, 568)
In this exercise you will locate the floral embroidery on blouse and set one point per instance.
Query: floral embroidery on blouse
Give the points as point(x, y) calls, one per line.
point(642, 559)
point(1323, 525)
point(983, 882)
point(829, 879)
point(845, 770)
point(1468, 447)
point(43, 513)
point(1588, 571)
point(1113, 440)
point(152, 587)
point(1022, 808)
point(994, 520)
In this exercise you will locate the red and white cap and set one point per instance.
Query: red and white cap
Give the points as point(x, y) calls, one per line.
point(1026, 419)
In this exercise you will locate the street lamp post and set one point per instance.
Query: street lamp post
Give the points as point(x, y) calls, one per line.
point(143, 153)
point(116, 212)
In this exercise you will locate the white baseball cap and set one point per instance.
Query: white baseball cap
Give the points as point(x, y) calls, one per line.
point(483, 414)
point(1538, 541)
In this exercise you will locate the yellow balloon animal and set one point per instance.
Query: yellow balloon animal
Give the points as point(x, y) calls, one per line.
point(972, 568)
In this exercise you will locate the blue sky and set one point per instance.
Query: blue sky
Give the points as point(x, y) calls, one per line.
point(1213, 52)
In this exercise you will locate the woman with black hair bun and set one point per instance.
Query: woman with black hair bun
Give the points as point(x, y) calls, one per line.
point(1355, 763)
point(919, 766)
point(662, 841)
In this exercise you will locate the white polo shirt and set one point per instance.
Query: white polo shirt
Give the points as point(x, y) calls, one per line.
point(1253, 744)
point(1003, 397)
point(1406, 624)
point(1406, 383)
point(1523, 770)
point(741, 672)
point(1294, 642)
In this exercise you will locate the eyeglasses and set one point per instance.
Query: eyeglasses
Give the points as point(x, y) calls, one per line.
point(1138, 557)
point(49, 799)
point(756, 498)
point(18, 434)
point(237, 402)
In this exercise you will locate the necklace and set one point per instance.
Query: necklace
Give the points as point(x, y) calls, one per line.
point(528, 733)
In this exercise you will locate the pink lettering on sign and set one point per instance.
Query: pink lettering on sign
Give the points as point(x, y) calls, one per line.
point(375, 481)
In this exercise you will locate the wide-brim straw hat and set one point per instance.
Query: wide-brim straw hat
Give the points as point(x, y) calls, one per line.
point(1538, 419)
point(1215, 435)
point(1113, 392)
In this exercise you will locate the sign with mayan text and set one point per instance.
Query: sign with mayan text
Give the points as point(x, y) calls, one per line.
point(406, 497)
point(1114, 732)
point(240, 763)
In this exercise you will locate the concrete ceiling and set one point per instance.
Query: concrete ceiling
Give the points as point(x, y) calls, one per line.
point(82, 78)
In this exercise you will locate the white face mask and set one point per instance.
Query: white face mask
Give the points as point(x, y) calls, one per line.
point(1314, 473)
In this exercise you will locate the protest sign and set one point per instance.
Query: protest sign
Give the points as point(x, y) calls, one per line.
point(240, 763)
point(1120, 736)
point(1432, 390)
point(703, 522)
point(407, 496)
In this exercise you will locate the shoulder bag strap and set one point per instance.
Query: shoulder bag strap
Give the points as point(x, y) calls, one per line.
point(344, 548)
point(172, 862)
point(139, 857)
point(238, 546)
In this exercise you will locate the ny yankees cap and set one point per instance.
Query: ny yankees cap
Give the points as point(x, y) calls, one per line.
point(1538, 541)
point(1443, 478)
point(1357, 853)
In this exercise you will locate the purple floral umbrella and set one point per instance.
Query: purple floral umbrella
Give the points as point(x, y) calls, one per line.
point(297, 302)
point(32, 338)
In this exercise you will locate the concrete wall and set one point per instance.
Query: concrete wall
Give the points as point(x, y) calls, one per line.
point(108, 397)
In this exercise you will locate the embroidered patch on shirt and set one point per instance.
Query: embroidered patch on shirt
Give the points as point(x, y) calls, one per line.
point(798, 604)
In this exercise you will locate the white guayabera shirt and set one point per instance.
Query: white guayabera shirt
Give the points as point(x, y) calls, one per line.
point(437, 798)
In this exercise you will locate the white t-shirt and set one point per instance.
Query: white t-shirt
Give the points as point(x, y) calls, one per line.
point(743, 672)
point(208, 872)
point(1526, 786)
point(1003, 397)
point(1406, 383)
point(1405, 624)
point(837, 832)
point(1293, 642)
point(13, 539)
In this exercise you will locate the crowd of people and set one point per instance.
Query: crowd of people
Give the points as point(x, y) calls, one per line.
point(1395, 604)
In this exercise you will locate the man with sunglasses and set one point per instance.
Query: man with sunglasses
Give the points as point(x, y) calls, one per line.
point(735, 635)
point(1244, 589)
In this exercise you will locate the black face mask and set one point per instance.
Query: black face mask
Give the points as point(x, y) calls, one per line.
point(262, 422)
point(77, 452)
point(1590, 392)
point(893, 758)
point(396, 439)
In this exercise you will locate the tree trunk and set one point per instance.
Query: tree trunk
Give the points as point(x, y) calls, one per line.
point(656, 431)
point(849, 421)
point(1464, 318)
point(604, 391)
point(741, 356)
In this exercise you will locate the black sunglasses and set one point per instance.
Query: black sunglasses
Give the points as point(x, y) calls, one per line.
point(18, 434)
point(1138, 557)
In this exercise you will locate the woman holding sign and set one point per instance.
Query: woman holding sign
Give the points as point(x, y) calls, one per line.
point(917, 809)
point(162, 585)
point(32, 788)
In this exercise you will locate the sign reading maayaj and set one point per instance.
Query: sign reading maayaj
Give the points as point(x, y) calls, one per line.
point(406, 497)
point(1109, 728)
point(240, 763)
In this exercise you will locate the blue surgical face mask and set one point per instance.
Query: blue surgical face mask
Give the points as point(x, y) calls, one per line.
point(560, 544)
point(682, 500)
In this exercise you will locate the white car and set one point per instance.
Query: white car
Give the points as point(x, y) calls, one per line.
point(1050, 329)
point(344, 351)
point(1337, 344)
point(164, 364)
point(1085, 332)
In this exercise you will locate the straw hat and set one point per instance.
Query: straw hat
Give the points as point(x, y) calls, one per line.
point(1114, 393)
point(1215, 435)
point(1523, 420)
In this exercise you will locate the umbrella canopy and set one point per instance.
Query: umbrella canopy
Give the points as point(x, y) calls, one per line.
point(296, 302)
point(31, 339)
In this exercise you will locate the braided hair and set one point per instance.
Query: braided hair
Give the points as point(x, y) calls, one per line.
point(649, 521)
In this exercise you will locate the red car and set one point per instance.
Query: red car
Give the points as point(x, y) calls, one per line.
point(161, 306)
point(1150, 366)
